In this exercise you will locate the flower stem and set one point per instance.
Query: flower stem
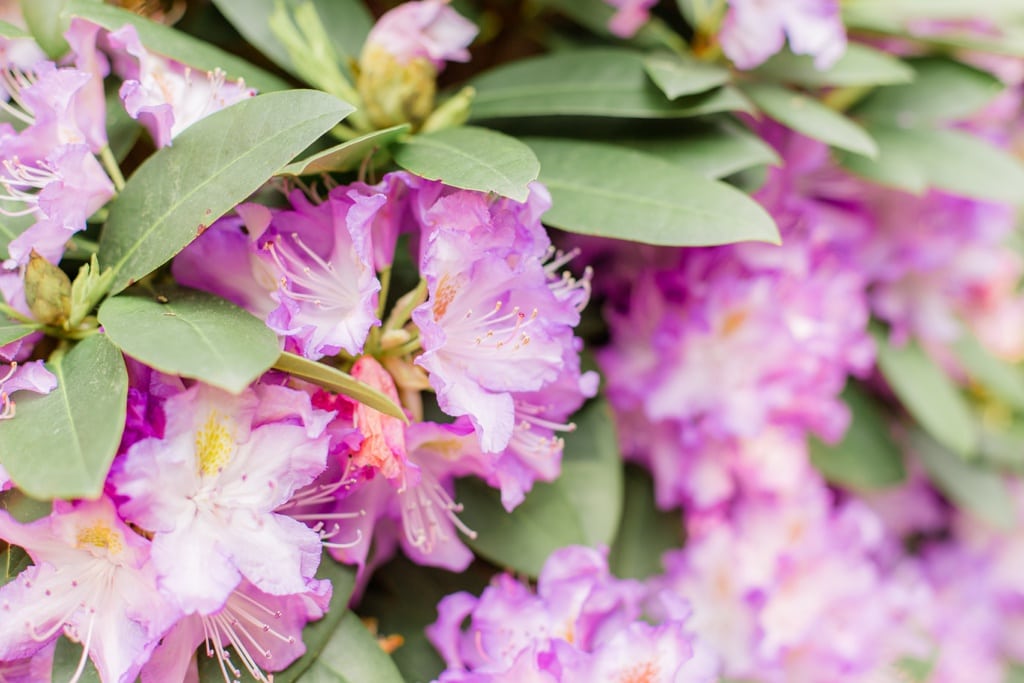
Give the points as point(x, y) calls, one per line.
point(113, 170)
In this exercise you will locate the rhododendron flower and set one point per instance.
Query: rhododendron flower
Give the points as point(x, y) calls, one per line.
point(308, 271)
point(264, 630)
point(31, 376)
point(754, 30)
point(582, 624)
point(164, 95)
point(209, 488)
point(492, 324)
point(93, 581)
point(427, 29)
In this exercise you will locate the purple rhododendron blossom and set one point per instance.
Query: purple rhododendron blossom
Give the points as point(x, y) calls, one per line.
point(308, 271)
point(493, 324)
point(754, 30)
point(422, 29)
point(31, 376)
point(208, 490)
point(581, 624)
point(164, 95)
point(264, 630)
point(92, 580)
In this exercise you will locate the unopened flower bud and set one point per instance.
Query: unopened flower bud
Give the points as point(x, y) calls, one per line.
point(403, 54)
point(47, 291)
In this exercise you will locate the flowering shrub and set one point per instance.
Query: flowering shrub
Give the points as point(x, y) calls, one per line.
point(650, 343)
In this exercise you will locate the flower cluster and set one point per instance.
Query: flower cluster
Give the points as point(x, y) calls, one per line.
point(582, 624)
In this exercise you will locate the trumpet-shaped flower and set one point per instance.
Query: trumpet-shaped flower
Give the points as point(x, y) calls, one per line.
point(164, 95)
point(209, 488)
point(93, 581)
point(428, 29)
point(753, 31)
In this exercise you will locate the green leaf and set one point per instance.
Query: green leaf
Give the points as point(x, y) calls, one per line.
point(316, 636)
point(44, 20)
point(714, 149)
point(977, 489)
point(1004, 380)
point(346, 156)
point(175, 44)
point(645, 532)
point(903, 11)
point(471, 158)
point(588, 82)
point(346, 22)
point(192, 334)
point(928, 394)
point(403, 597)
point(22, 508)
point(867, 457)
point(950, 160)
point(644, 199)
point(66, 658)
point(352, 655)
point(213, 165)
point(582, 506)
point(859, 66)
point(339, 382)
point(943, 90)
point(13, 330)
point(810, 117)
point(61, 445)
point(677, 75)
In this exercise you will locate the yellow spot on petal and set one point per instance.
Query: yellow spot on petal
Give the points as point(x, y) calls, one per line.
point(214, 445)
point(733, 321)
point(99, 535)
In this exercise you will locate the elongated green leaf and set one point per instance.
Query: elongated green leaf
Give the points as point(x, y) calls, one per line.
point(61, 445)
point(582, 506)
point(645, 199)
point(678, 76)
point(192, 334)
point(860, 65)
point(645, 532)
point(316, 636)
point(346, 21)
point(212, 166)
point(951, 160)
point(13, 330)
point(928, 394)
point(714, 149)
point(403, 596)
point(589, 82)
point(942, 90)
point(175, 44)
point(337, 381)
point(970, 485)
point(471, 158)
point(44, 20)
point(1003, 379)
point(867, 457)
point(810, 117)
point(907, 10)
point(348, 155)
point(23, 508)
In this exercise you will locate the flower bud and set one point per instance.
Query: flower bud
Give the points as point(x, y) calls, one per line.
point(47, 291)
point(403, 54)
